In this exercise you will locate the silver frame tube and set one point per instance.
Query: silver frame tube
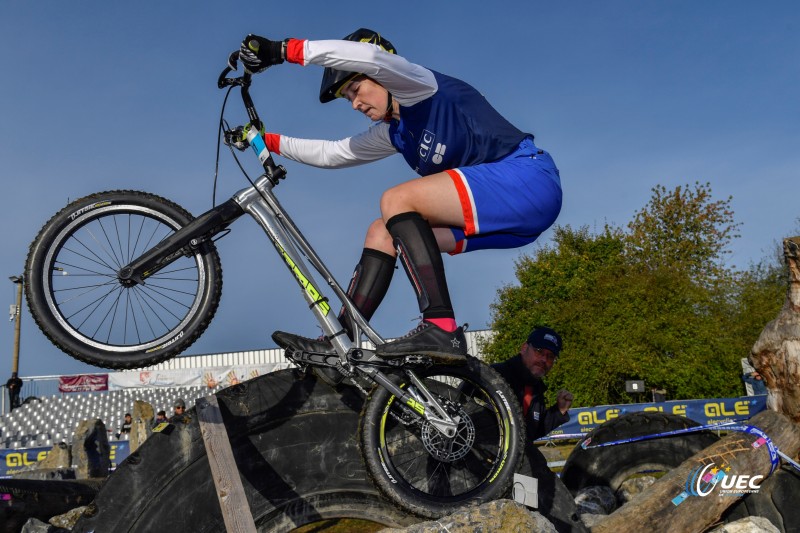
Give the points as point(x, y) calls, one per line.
point(294, 249)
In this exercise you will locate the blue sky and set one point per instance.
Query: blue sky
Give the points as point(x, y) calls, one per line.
point(624, 94)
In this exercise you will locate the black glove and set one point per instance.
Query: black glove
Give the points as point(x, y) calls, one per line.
point(258, 53)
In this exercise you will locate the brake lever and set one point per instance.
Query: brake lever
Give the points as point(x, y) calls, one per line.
point(233, 64)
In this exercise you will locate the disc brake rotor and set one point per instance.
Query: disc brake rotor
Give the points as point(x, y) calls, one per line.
point(447, 449)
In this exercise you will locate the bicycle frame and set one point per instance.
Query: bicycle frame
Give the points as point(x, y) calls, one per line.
point(260, 202)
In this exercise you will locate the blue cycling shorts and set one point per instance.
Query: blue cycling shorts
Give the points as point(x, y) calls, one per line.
point(507, 203)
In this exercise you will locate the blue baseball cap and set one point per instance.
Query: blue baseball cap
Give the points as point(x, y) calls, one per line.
point(545, 338)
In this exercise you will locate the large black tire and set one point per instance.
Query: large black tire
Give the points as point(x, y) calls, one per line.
point(776, 500)
point(611, 465)
point(78, 302)
point(295, 446)
point(420, 470)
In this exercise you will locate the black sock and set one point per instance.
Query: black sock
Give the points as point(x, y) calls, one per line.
point(369, 284)
point(418, 251)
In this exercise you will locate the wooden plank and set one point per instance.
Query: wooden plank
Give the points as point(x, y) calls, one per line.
point(230, 492)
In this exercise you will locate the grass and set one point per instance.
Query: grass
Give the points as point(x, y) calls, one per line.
point(340, 525)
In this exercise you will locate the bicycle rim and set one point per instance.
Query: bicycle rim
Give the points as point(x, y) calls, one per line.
point(86, 298)
point(418, 456)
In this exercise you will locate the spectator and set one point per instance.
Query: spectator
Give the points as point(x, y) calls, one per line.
point(524, 372)
point(14, 386)
point(161, 417)
point(125, 429)
point(755, 380)
point(179, 414)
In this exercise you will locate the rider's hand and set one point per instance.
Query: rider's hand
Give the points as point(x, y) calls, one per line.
point(258, 53)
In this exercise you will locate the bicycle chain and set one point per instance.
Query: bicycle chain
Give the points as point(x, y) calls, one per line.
point(358, 385)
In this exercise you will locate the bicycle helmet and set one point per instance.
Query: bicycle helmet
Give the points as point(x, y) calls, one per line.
point(333, 80)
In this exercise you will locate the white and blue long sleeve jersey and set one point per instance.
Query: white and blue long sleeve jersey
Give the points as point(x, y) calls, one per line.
point(444, 122)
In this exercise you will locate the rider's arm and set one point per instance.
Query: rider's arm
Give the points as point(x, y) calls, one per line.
point(367, 146)
point(409, 83)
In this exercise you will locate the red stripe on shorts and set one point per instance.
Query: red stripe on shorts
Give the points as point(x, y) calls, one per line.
point(466, 204)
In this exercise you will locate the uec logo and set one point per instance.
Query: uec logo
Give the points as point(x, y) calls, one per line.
point(703, 480)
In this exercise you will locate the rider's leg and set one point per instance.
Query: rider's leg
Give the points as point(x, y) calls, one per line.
point(369, 284)
point(419, 253)
point(410, 209)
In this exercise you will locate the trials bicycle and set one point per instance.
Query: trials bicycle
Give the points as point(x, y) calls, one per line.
point(126, 279)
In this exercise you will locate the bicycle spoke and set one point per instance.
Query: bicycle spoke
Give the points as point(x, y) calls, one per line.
point(138, 235)
point(113, 254)
point(146, 315)
point(147, 299)
point(100, 261)
point(114, 307)
point(152, 286)
point(74, 297)
point(149, 290)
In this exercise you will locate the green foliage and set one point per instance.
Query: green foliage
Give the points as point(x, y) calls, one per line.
point(653, 303)
point(683, 229)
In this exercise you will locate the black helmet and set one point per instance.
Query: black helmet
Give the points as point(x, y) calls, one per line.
point(333, 80)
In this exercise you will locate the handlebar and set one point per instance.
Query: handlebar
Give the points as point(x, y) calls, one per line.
point(273, 172)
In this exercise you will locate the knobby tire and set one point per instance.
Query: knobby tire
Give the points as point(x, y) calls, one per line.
point(420, 470)
point(79, 303)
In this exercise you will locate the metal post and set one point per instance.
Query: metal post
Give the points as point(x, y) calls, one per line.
point(18, 280)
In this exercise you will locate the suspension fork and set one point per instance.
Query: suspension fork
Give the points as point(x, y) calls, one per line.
point(179, 243)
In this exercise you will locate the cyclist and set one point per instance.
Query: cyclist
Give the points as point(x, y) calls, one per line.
point(484, 182)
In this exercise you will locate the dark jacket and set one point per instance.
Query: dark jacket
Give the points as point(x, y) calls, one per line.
point(539, 420)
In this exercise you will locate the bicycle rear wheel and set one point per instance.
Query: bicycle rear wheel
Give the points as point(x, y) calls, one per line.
point(79, 303)
point(428, 474)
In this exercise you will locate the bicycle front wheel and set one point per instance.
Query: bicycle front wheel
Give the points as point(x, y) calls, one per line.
point(79, 303)
point(429, 474)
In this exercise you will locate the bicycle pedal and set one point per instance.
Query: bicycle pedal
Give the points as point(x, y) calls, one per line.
point(310, 358)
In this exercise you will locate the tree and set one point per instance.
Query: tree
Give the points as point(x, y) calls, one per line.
point(642, 304)
point(683, 228)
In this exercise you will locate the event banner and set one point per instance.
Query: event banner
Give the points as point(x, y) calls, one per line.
point(712, 411)
point(190, 377)
point(582, 421)
point(83, 383)
point(14, 461)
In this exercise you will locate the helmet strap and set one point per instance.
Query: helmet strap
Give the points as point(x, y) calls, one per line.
point(389, 110)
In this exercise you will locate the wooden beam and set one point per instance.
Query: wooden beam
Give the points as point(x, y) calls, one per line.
point(776, 353)
point(230, 492)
